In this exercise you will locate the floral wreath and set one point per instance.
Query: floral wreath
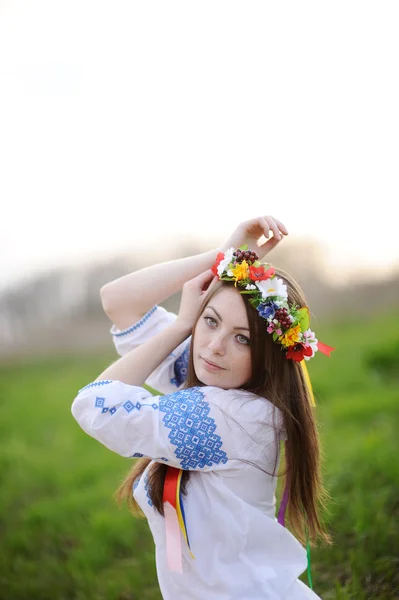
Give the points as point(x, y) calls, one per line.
point(287, 323)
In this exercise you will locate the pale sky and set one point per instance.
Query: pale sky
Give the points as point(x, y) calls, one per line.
point(130, 123)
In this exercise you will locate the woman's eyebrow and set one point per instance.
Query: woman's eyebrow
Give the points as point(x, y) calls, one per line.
point(220, 318)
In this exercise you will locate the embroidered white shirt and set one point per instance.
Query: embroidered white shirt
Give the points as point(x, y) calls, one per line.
point(229, 440)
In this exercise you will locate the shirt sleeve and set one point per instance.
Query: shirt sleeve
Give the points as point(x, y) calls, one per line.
point(189, 429)
point(171, 374)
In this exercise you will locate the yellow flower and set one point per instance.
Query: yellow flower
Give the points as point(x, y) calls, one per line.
point(240, 271)
point(291, 337)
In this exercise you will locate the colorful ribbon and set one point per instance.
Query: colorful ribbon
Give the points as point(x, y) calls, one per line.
point(175, 520)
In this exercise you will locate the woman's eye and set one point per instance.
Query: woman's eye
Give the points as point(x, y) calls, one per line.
point(210, 321)
point(242, 339)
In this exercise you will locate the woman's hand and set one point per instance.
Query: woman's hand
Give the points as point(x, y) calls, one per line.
point(249, 232)
point(193, 294)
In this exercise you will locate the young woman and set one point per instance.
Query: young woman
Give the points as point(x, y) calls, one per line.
point(230, 390)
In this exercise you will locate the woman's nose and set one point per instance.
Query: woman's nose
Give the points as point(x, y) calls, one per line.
point(216, 345)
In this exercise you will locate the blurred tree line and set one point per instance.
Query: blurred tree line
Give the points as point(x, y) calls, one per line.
point(61, 310)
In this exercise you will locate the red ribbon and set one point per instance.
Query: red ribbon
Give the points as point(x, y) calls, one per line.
point(324, 348)
point(170, 486)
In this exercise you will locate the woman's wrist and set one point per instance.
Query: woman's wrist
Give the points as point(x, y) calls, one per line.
point(129, 297)
point(181, 330)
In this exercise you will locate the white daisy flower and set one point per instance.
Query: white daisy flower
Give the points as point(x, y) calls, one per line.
point(272, 287)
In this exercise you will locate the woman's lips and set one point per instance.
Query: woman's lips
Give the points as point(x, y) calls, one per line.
point(211, 367)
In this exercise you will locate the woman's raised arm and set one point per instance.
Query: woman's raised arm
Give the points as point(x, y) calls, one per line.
point(127, 299)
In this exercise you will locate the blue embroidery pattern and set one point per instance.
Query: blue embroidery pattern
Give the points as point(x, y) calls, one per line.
point(129, 406)
point(181, 367)
point(137, 325)
point(135, 483)
point(104, 382)
point(192, 430)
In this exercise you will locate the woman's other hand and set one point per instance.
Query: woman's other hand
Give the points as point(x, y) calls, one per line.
point(249, 232)
point(193, 294)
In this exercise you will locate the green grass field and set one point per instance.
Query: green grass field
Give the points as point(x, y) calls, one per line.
point(64, 538)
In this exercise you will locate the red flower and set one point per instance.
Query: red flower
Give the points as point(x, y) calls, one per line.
point(259, 273)
point(298, 352)
point(219, 259)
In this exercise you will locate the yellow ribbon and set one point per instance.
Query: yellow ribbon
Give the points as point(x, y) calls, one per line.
point(179, 513)
point(308, 382)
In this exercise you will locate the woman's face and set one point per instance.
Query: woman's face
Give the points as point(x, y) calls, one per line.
point(222, 338)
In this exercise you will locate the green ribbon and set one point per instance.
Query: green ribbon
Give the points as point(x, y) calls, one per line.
point(308, 555)
point(152, 390)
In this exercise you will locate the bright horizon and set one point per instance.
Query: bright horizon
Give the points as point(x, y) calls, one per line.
point(131, 124)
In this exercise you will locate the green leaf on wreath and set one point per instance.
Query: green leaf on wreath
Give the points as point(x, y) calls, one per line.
point(303, 317)
point(254, 302)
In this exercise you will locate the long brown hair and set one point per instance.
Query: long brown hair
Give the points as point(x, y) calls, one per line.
point(282, 382)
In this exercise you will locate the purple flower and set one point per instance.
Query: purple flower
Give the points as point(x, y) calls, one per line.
point(267, 309)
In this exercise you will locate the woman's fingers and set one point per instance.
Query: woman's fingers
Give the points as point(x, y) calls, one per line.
point(206, 280)
point(249, 232)
point(268, 225)
point(281, 226)
point(273, 225)
point(193, 293)
point(202, 280)
point(269, 245)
